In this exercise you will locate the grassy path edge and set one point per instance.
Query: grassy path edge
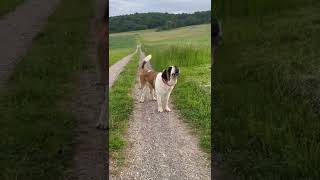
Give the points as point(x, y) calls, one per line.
point(121, 107)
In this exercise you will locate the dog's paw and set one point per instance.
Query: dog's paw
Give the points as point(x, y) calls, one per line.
point(168, 109)
point(141, 100)
point(160, 110)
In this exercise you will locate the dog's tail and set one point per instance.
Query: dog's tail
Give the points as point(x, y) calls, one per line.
point(145, 60)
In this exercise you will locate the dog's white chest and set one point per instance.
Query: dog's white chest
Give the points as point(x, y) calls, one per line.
point(161, 87)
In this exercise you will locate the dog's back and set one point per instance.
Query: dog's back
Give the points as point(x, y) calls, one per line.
point(147, 75)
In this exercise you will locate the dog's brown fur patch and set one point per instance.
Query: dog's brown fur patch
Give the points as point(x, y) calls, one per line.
point(147, 77)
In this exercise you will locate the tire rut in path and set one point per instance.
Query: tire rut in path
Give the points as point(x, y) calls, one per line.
point(18, 28)
point(160, 146)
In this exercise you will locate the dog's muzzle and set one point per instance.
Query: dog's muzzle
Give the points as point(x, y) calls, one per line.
point(175, 74)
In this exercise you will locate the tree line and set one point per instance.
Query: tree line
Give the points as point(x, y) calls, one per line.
point(160, 21)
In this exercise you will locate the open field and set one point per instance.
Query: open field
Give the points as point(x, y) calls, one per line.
point(268, 96)
point(8, 5)
point(36, 123)
point(192, 93)
point(120, 108)
point(120, 46)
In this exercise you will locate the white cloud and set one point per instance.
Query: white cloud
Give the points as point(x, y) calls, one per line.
point(120, 7)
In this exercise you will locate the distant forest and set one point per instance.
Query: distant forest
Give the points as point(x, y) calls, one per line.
point(161, 21)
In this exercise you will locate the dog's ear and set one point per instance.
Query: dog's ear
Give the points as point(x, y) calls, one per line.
point(165, 75)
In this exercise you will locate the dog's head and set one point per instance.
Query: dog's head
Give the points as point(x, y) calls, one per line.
point(171, 74)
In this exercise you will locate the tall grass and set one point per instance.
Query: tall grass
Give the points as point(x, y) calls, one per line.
point(268, 124)
point(183, 55)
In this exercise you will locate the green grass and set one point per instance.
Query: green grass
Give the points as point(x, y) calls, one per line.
point(268, 124)
point(194, 104)
point(185, 55)
point(188, 48)
point(117, 54)
point(36, 123)
point(119, 41)
point(120, 46)
point(197, 34)
point(8, 5)
point(121, 106)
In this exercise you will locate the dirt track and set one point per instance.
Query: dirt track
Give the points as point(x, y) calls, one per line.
point(117, 68)
point(160, 146)
point(18, 28)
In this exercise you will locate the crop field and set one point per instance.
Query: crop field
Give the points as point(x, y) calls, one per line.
point(188, 48)
point(120, 46)
point(268, 96)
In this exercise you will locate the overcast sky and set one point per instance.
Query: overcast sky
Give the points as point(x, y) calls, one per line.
point(121, 7)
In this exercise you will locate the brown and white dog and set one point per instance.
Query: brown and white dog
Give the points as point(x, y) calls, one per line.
point(159, 83)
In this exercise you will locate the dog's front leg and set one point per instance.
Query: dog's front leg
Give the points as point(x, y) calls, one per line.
point(167, 102)
point(160, 109)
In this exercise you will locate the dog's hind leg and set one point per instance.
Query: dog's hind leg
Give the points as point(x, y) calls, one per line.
point(151, 88)
point(152, 91)
point(142, 82)
point(142, 93)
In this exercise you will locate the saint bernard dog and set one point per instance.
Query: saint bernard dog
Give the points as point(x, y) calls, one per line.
point(160, 84)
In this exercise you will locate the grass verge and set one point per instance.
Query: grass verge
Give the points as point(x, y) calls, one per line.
point(121, 106)
point(36, 130)
point(8, 5)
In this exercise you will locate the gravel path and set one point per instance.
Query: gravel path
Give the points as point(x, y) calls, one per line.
point(117, 68)
point(160, 146)
point(18, 28)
